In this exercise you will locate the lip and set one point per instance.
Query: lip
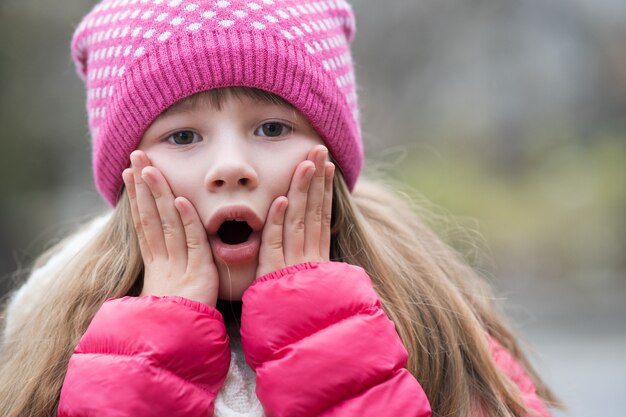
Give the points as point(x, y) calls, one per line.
point(242, 252)
point(234, 212)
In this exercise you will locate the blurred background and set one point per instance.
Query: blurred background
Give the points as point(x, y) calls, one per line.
point(505, 118)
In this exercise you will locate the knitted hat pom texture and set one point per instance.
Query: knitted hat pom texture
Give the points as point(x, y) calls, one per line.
point(138, 57)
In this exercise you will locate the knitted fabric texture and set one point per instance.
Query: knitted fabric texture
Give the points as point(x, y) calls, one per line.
point(138, 57)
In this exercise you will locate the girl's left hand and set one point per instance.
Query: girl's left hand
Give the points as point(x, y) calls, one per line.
point(297, 228)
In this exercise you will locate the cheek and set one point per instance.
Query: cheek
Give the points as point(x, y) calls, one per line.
point(179, 176)
point(283, 180)
point(280, 169)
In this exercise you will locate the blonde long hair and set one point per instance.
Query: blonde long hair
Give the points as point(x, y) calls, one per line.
point(443, 310)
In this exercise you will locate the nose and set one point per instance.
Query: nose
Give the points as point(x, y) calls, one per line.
point(231, 169)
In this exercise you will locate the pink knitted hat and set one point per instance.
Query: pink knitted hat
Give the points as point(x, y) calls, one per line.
point(138, 57)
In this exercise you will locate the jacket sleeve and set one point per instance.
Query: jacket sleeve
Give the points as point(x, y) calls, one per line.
point(321, 345)
point(147, 356)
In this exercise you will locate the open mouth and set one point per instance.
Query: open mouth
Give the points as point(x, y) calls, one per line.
point(233, 232)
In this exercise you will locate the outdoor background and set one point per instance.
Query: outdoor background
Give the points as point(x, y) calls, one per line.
point(507, 117)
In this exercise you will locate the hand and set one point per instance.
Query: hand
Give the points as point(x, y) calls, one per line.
point(297, 228)
point(173, 242)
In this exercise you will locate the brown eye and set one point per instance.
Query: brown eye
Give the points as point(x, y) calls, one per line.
point(273, 129)
point(184, 137)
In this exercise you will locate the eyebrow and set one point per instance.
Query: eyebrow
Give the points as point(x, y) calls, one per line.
point(177, 108)
point(188, 104)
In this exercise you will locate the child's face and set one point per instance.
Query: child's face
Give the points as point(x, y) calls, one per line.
point(230, 162)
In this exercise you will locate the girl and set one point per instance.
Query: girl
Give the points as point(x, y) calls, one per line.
point(242, 271)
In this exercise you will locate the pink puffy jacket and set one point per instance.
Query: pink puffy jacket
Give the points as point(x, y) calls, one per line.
point(314, 333)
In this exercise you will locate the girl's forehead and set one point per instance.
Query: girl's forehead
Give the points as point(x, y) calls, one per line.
point(215, 98)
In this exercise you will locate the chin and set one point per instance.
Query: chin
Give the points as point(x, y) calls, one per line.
point(235, 280)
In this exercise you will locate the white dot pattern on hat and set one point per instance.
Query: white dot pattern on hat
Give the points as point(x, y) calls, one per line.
point(124, 48)
point(144, 20)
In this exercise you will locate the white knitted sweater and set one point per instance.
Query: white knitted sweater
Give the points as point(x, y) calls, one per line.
point(237, 397)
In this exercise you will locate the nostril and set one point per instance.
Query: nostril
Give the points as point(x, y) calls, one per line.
point(218, 182)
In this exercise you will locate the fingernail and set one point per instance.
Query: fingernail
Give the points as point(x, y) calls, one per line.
point(331, 168)
point(133, 158)
point(179, 204)
point(126, 174)
point(309, 172)
point(321, 157)
point(283, 205)
point(145, 175)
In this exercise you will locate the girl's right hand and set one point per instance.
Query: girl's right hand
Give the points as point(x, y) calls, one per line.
point(174, 246)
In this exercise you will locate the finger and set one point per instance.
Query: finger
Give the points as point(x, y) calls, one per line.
point(173, 232)
point(199, 256)
point(146, 207)
point(271, 254)
point(129, 182)
point(327, 210)
point(293, 231)
point(314, 205)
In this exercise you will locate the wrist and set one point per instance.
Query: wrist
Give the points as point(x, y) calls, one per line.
point(206, 296)
point(287, 270)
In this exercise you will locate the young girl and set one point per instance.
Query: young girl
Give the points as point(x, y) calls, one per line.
point(242, 271)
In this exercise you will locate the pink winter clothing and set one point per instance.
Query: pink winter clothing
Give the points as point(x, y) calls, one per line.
point(147, 356)
point(516, 373)
point(314, 333)
point(137, 58)
point(321, 345)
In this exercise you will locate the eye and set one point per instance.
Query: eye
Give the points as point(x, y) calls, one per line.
point(183, 137)
point(273, 129)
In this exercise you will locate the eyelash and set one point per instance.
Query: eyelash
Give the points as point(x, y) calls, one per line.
point(284, 126)
point(195, 136)
point(285, 130)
